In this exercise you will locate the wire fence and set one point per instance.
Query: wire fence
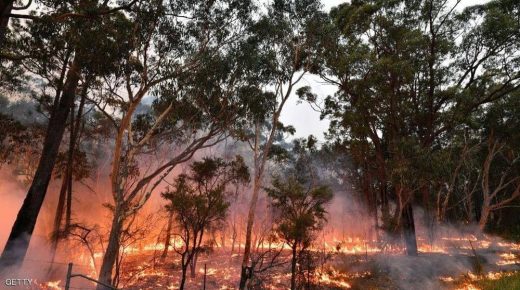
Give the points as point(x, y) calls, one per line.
point(82, 268)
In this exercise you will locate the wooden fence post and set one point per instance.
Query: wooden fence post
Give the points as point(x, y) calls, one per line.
point(205, 271)
point(69, 272)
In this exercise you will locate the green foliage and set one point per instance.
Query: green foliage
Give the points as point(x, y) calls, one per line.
point(199, 199)
point(508, 282)
point(302, 210)
point(280, 44)
point(414, 78)
point(298, 199)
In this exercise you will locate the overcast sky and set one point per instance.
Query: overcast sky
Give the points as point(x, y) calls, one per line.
point(302, 116)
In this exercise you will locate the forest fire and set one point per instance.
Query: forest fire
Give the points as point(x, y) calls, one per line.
point(468, 287)
point(263, 144)
point(332, 277)
point(509, 259)
point(146, 270)
point(471, 279)
point(51, 285)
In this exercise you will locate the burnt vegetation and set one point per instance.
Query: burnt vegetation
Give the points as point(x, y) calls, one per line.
point(144, 142)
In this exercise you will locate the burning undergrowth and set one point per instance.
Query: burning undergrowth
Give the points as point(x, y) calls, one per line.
point(347, 253)
point(455, 263)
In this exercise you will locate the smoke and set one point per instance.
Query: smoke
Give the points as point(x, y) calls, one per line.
point(422, 272)
point(13, 193)
point(445, 250)
point(22, 109)
point(37, 258)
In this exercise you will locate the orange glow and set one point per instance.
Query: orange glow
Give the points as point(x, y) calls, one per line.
point(51, 285)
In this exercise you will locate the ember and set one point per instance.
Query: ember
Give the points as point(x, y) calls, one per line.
point(51, 285)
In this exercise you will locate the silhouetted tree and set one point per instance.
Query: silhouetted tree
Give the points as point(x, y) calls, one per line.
point(199, 202)
point(299, 201)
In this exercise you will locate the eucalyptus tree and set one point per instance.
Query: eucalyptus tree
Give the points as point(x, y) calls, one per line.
point(199, 202)
point(485, 164)
point(280, 51)
point(408, 73)
point(184, 63)
point(50, 11)
point(299, 200)
point(61, 58)
point(494, 130)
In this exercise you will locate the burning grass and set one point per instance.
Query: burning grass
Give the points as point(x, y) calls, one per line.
point(467, 263)
point(489, 281)
point(51, 285)
point(506, 281)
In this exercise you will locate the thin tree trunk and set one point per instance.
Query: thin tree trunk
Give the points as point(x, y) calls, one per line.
point(67, 175)
point(56, 232)
point(70, 158)
point(409, 230)
point(66, 186)
point(193, 265)
point(293, 267)
point(112, 250)
point(196, 251)
point(18, 242)
point(184, 266)
point(233, 237)
point(75, 135)
point(68, 212)
point(425, 194)
point(259, 170)
point(244, 275)
point(484, 215)
point(168, 235)
point(249, 231)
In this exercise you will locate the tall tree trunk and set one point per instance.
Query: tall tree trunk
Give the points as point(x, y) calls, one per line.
point(425, 194)
point(184, 266)
point(409, 230)
point(196, 252)
point(429, 217)
point(75, 135)
point(66, 185)
point(249, 232)
point(168, 235)
point(70, 156)
point(112, 250)
point(293, 266)
point(193, 265)
point(18, 242)
point(233, 237)
point(56, 231)
point(376, 217)
point(68, 212)
point(5, 9)
point(245, 273)
point(385, 208)
point(484, 214)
